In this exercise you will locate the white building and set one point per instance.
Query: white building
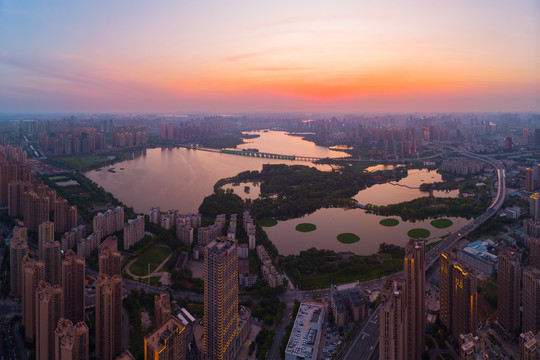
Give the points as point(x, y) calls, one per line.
point(306, 333)
point(133, 231)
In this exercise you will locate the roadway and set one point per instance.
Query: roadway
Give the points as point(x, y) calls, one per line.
point(364, 343)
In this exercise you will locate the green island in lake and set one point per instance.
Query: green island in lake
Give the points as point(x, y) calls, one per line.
point(306, 227)
point(389, 222)
point(441, 223)
point(348, 238)
point(418, 233)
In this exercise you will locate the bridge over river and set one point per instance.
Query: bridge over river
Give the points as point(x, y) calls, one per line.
point(266, 155)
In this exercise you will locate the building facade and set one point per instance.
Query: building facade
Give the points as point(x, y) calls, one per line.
point(415, 282)
point(168, 341)
point(108, 316)
point(18, 249)
point(459, 297)
point(221, 299)
point(73, 272)
point(531, 300)
point(508, 291)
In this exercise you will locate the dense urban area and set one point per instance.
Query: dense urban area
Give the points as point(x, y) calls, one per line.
point(86, 274)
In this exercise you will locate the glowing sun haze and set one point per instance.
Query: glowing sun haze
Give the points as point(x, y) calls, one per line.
point(339, 55)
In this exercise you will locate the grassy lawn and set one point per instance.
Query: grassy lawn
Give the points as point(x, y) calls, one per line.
point(348, 238)
point(389, 222)
point(153, 256)
point(418, 233)
point(305, 227)
point(441, 223)
point(78, 162)
point(58, 178)
point(267, 222)
point(362, 270)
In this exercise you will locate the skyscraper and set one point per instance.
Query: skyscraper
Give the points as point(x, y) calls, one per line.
point(162, 308)
point(33, 273)
point(108, 316)
point(220, 299)
point(534, 254)
point(73, 286)
point(71, 341)
point(508, 291)
point(168, 341)
point(415, 279)
point(531, 300)
point(534, 205)
point(458, 296)
point(48, 312)
point(391, 326)
point(18, 249)
point(45, 234)
point(52, 259)
point(529, 179)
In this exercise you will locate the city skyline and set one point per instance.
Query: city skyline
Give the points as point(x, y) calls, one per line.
point(241, 56)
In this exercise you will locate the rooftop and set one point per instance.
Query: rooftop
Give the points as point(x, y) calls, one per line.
point(302, 342)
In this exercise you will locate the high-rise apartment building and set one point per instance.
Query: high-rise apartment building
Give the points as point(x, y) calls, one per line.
point(459, 296)
point(33, 273)
point(11, 172)
point(48, 312)
point(35, 210)
point(71, 341)
point(508, 291)
point(45, 234)
point(108, 316)
point(110, 262)
point(415, 281)
point(531, 300)
point(221, 299)
point(391, 326)
point(16, 189)
point(133, 231)
point(529, 179)
point(52, 260)
point(73, 286)
point(168, 341)
point(20, 232)
point(155, 215)
point(18, 249)
point(534, 205)
point(109, 222)
point(65, 216)
point(534, 253)
point(538, 175)
point(162, 308)
point(60, 215)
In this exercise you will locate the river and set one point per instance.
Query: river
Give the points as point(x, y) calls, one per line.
point(179, 178)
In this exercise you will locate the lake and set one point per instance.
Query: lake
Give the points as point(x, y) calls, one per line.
point(179, 178)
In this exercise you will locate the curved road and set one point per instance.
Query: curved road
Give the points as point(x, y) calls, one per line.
point(365, 342)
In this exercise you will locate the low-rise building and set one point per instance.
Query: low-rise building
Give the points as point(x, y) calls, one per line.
point(306, 332)
point(477, 256)
point(472, 348)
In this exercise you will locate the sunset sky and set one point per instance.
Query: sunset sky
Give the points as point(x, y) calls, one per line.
point(295, 55)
